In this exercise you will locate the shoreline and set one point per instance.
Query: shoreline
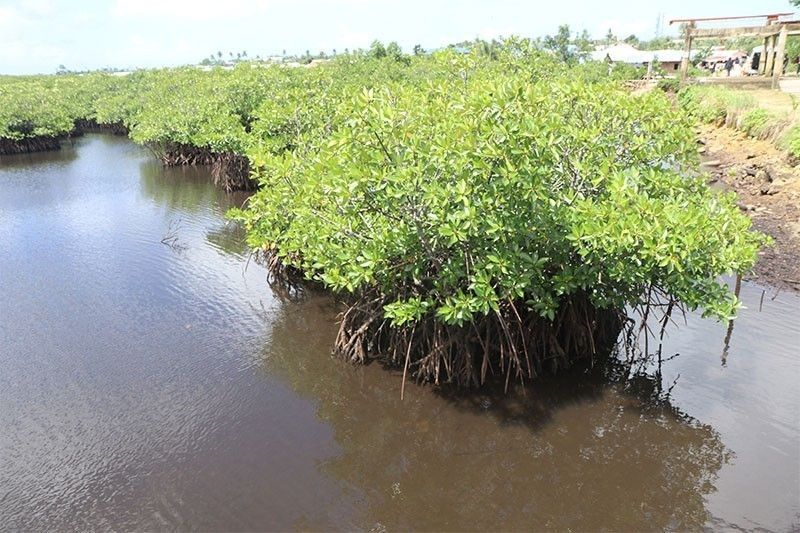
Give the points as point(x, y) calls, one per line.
point(763, 176)
point(768, 186)
point(230, 171)
point(52, 143)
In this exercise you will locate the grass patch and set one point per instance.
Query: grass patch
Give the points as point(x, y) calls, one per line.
point(759, 114)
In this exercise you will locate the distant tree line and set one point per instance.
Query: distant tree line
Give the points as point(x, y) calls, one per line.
point(565, 44)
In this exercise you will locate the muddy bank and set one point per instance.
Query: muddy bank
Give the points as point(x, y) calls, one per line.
point(230, 171)
point(768, 185)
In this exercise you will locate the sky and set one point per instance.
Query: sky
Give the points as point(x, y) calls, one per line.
point(36, 36)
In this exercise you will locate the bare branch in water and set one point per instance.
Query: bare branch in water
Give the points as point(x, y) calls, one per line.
point(171, 237)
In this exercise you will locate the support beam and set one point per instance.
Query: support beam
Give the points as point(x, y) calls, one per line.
point(747, 31)
point(777, 70)
point(762, 59)
point(687, 53)
point(769, 17)
point(770, 56)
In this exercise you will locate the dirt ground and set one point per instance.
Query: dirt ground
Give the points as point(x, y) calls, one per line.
point(768, 185)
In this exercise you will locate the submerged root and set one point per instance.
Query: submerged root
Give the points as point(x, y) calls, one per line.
point(184, 154)
point(231, 171)
point(51, 143)
point(286, 281)
point(510, 343)
point(29, 145)
point(85, 125)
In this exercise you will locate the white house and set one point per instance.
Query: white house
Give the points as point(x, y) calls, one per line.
point(668, 60)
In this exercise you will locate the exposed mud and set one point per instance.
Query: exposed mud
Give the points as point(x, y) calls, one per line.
point(768, 185)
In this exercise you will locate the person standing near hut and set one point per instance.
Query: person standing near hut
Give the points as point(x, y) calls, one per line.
point(738, 69)
point(729, 65)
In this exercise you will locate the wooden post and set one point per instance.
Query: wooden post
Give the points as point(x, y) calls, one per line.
point(770, 55)
point(777, 68)
point(762, 60)
point(687, 52)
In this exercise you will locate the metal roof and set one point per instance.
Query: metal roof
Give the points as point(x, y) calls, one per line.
point(625, 53)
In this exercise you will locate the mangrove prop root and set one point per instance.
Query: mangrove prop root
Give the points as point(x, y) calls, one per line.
point(84, 125)
point(51, 143)
point(512, 343)
point(30, 145)
point(231, 171)
point(286, 281)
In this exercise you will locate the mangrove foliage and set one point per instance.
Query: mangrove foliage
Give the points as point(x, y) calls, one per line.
point(480, 214)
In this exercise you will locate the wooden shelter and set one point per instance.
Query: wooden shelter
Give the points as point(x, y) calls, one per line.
point(774, 32)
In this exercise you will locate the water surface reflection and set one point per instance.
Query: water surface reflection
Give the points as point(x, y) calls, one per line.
point(146, 387)
point(572, 452)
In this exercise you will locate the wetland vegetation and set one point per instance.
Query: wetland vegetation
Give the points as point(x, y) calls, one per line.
point(482, 214)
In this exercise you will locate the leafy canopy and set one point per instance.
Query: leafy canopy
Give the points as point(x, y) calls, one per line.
point(452, 195)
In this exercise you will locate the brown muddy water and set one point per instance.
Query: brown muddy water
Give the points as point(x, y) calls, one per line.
point(151, 387)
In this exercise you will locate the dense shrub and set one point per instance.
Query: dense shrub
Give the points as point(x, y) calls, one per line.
point(463, 213)
point(669, 85)
point(48, 106)
point(480, 213)
point(792, 141)
point(25, 113)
